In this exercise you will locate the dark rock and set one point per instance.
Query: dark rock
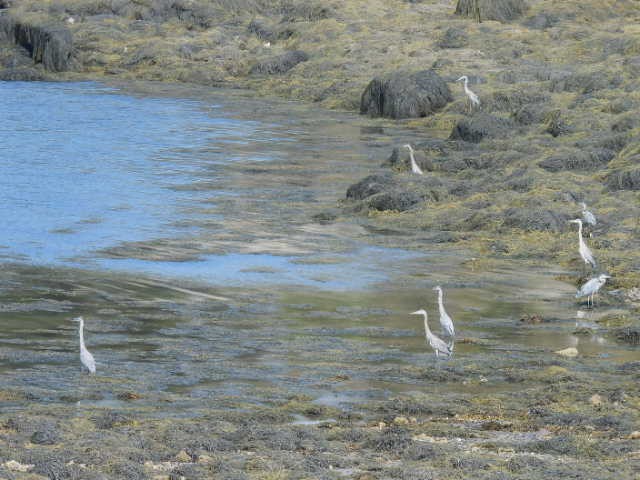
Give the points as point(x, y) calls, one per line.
point(480, 126)
point(398, 200)
point(624, 179)
point(280, 63)
point(306, 11)
point(370, 185)
point(49, 44)
point(530, 114)
point(393, 439)
point(533, 218)
point(405, 95)
point(453, 38)
point(584, 82)
point(578, 160)
point(400, 159)
point(500, 10)
point(261, 31)
point(324, 217)
point(542, 21)
point(21, 75)
point(47, 436)
point(629, 335)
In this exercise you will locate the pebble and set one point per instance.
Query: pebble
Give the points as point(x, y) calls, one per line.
point(635, 435)
point(183, 457)
point(401, 421)
point(14, 466)
point(568, 352)
point(596, 400)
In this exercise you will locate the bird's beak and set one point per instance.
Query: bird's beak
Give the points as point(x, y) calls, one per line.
point(416, 313)
point(459, 79)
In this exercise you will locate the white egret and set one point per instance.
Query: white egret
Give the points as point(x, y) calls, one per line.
point(85, 356)
point(445, 320)
point(590, 288)
point(414, 166)
point(474, 101)
point(587, 216)
point(585, 253)
point(439, 346)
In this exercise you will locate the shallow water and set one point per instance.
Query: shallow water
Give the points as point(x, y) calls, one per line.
point(203, 278)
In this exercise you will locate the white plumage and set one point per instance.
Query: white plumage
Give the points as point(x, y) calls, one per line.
point(445, 320)
point(590, 288)
point(473, 98)
point(414, 166)
point(85, 356)
point(585, 252)
point(587, 216)
point(439, 346)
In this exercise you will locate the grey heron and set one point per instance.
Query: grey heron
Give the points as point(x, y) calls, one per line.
point(585, 252)
point(445, 320)
point(414, 166)
point(474, 101)
point(439, 346)
point(587, 216)
point(85, 356)
point(592, 287)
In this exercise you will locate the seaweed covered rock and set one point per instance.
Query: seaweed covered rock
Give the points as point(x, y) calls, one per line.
point(370, 185)
point(50, 44)
point(453, 38)
point(480, 126)
point(624, 179)
point(405, 95)
point(531, 219)
point(500, 10)
point(398, 200)
point(280, 63)
point(578, 160)
point(400, 159)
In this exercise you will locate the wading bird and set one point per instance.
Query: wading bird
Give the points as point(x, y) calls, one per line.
point(474, 101)
point(438, 345)
point(414, 166)
point(85, 356)
point(585, 253)
point(588, 217)
point(590, 288)
point(445, 320)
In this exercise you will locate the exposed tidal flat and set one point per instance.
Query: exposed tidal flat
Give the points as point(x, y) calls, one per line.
point(242, 331)
point(247, 294)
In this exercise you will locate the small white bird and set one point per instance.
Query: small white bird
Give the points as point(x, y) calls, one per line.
point(414, 166)
point(266, 44)
point(474, 101)
point(439, 346)
point(585, 253)
point(71, 20)
point(85, 356)
point(590, 288)
point(587, 216)
point(445, 320)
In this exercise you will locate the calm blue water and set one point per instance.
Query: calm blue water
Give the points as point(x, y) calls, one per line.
point(84, 167)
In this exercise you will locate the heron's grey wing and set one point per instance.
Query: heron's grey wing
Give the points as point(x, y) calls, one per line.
point(588, 288)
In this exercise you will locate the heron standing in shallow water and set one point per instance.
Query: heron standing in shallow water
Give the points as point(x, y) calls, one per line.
point(445, 320)
point(474, 101)
point(592, 287)
point(439, 346)
point(585, 252)
point(85, 356)
point(414, 166)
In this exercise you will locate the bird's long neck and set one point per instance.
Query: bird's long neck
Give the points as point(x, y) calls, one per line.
point(466, 84)
point(426, 324)
point(81, 331)
point(413, 159)
point(440, 304)
point(580, 233)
